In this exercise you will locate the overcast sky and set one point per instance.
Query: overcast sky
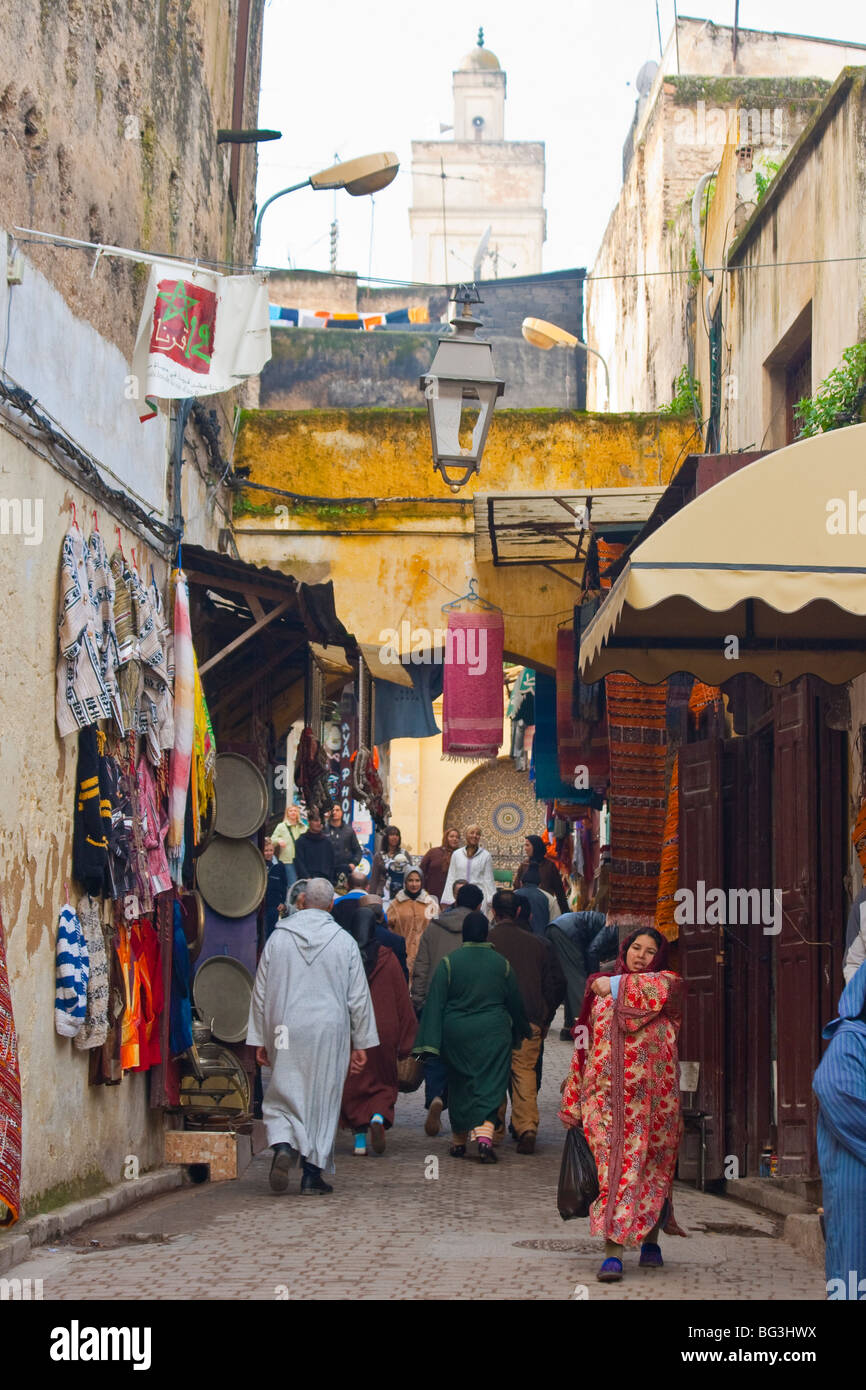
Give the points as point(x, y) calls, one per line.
point(347, 78)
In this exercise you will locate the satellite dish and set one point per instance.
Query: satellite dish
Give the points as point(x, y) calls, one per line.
point(646, 77)
point(480, 253)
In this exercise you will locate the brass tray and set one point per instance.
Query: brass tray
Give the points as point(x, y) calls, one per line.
point(232, 876)
point(241, 796)
point(222, 989)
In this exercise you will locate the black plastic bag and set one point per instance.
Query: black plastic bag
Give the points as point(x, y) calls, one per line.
point(578, 1177)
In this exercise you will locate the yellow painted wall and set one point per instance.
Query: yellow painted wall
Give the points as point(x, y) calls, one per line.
point(401, 560)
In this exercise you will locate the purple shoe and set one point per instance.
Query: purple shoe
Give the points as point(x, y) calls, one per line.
point(651, 1256)
point(610, 1272)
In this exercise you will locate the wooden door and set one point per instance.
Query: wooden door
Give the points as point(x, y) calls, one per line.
point(702, 946)
point(797, 962)
point(738, 949)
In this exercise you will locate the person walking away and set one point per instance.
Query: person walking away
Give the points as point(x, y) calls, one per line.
point(434, 865)
point(384, 935)
point(472, 864)
point(277, 890)
point(623, 1088)
point(390, 847)
point(347, 851)
point(311, 1019)
point(370, 1094)
point(444, 935)
point(314, 853)
point(285, 836)
point(540, 983)
point(472, 1019)
point(840, 1086)
point(539, 871)
point(411, 912)
point(571, 936)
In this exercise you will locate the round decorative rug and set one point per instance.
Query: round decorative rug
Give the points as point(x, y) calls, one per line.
point(502, 801)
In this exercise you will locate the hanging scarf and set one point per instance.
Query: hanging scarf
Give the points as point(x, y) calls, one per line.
point(204, 756)
point(10, 1101)
point(472, 686)
point(184, 716)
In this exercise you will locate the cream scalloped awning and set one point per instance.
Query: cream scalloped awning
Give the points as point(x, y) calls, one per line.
point(765, 572)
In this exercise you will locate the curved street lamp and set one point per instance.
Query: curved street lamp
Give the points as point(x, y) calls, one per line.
point(364, 175)
point(546, 335)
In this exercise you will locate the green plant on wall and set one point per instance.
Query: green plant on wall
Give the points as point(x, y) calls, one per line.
point(763, 180)
point(840, 398)
point(687, 396)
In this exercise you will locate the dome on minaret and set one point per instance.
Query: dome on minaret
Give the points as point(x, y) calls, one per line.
point(480, 59)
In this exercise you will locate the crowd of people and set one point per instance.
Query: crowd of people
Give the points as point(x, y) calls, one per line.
point(372, 966)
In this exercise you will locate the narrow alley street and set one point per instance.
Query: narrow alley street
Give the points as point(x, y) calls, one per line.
point(390, 1231)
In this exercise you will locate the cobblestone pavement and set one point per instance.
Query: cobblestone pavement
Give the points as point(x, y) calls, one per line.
point(394, 1229)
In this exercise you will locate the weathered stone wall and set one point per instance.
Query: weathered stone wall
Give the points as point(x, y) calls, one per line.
point(641, 304)
point(108, 116)
point(814, 213)
point(391, 560)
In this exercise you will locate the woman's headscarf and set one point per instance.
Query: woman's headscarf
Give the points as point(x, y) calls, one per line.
point(658, 962)
point(360, 923)
point(532, 872)
point(407, 876)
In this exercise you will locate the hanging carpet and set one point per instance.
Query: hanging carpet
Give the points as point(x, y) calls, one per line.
point(10, 1101)
point(472, 686)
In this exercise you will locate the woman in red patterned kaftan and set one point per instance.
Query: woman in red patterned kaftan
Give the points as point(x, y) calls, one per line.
point(623, 1089)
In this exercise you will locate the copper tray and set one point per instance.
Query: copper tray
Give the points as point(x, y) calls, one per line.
point(232, 876)
point(241, 797)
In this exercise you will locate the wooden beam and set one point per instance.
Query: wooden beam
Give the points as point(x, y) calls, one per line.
point(245, 636)
point(236, 586)
point(255, 606)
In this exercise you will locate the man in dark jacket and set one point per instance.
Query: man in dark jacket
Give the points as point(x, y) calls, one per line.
point(314, 853)
point(541, 986)
point(578, 938)
point(347, 851)
point(442, 936)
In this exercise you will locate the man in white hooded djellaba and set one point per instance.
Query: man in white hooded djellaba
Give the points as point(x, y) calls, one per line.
point(311, 1020)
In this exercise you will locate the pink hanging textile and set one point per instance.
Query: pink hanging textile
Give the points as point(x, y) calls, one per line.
point(184, 717)
point(472, 700)
point(10, 1102)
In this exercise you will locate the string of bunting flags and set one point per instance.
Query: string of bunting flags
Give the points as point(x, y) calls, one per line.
point(324, 318)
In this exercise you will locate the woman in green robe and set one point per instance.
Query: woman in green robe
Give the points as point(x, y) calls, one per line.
point(472, 1018)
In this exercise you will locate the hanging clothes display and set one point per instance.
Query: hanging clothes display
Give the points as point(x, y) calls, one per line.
point(638, 750)
point(10, 1100)
point(154, 825)
point(582, 742)
point(92, 818)
point(101, 584)
point(94, 1030)
point(203, 757)
point(544, 761)
point(472, 685)
point(149, 977)
point(81, 698)
point(71, 970)
point(401, 712)
point(184, 720)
